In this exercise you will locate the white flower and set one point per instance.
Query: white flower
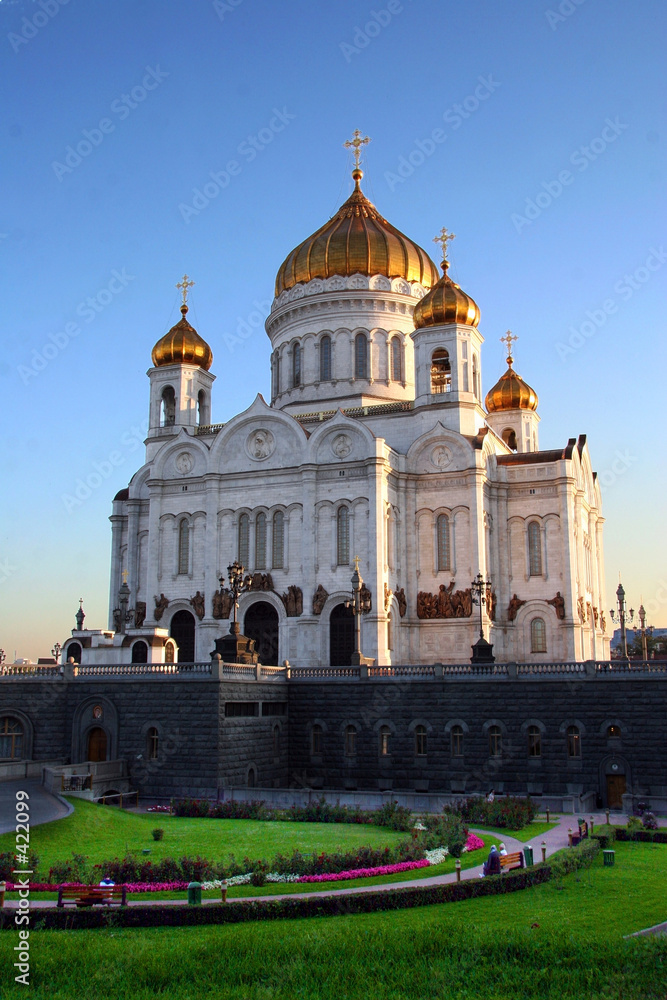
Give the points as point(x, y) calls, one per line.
point(436, 856)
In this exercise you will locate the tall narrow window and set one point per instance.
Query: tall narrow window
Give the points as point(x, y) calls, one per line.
point(168, 407)
point(203, 408)
point(325, 358)
point(444, 554)
point(296, 365)
point(152, 743)
point(495, 741)
point(465, 378)
point(573, 742)
point(343, 537)
point(183, 547)
point(456, 736)
point(278, 556)
point(441, 371)
point(534, 549)
point(244, 539)
point(476, 382)
point(350, 741)
point(534, 741)
point(396, 359)
point(277, 375)
point(361, 356)
point(420, 741)
point(316, 741)
point(385, 734)
point(390, 631)
point(538, 636)
point(260, 542)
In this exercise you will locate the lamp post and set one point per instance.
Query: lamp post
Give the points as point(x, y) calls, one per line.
point(360, 605)
point(620, 616)
point(644, 631)
point(237, 586)
point(482, 651)
point(123, 614)
point(234, 647)
point(55, 652)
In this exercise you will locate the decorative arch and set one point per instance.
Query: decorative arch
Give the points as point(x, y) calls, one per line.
point(94, 713)
point(8, 738)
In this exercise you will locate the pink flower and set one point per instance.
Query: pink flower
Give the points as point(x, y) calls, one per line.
point(473, 843)
point(403, 866)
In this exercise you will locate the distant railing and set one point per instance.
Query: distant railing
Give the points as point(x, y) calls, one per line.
point(138, 669)
point(208, 429)
point(30, 669)
point(354, 411)
point(550, 668)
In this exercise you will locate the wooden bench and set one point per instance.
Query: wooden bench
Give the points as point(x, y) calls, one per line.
point(90, 895)
point(510, 861)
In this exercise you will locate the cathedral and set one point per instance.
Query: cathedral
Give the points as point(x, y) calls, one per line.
point(377, 449)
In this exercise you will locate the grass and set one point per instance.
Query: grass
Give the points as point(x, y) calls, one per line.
point(525, 834)
point(105, 832)
point(560, 941)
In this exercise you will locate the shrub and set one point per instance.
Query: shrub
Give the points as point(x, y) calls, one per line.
point(509, 813)
point(158, 833)
point(650, 822)
point(570, 859)
point(393, 816)
point(74, 870)
point(634, 823)
point(447, 830)
point(8, 861)
point(259, 873)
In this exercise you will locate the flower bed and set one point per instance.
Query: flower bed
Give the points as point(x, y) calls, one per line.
point(406, 866)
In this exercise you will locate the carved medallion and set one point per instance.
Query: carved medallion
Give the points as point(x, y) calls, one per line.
point(441, 457)
point(184, 463)
point(260, 444)
point(97, 712)
point(341, 446)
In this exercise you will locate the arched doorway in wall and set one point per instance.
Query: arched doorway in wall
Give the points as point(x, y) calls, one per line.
point(341, 636)
point(97, 744)
point(140, 652)
point(182, 630)
point(261, 624)
point(74, 652)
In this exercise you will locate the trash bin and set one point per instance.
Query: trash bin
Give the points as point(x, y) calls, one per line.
point(528, 855)
point(608, 858)
point(194, 893)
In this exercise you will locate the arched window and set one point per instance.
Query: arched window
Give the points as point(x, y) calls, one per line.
point(444, 552)
point(350, 741)
point(456, 735)
point(316, 741)
point(534, 741)
point(140, 652)
point(509, 437)
point(277, 374)
point(11, 738)
point(252, 777)
point(169, 652)
point(420, 741)
point(613, 732)
point(296, 365)
point(361, 356)
point(278, 555)
point(396, 359)
point(182, 631)
point(260, 541)
point(573, 742)
point(152, 743)
point(74, 652)
point(168, 407)
point(203, 408)
point(183, 547)
point(495, 741)
point(538, 636)
point(441, 371)
point(276, 740)
point(476, 381)
point(343, 537)
point(325, 358)
point(385, 733)
point(534, 549)
point(244, 539)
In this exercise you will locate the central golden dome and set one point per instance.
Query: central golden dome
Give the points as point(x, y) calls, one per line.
point(357, 240)
point(182, 345)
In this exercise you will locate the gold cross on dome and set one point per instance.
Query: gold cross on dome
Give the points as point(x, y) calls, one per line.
point(509, 339)
point(184, 287)
point(124, 576)
point(356, 142)
point(444, 239)
point(356, 563)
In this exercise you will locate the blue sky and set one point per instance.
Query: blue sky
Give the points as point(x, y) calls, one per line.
point(547, 161)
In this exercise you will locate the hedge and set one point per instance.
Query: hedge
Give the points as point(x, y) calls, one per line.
point(645, 836)
point(390, 814)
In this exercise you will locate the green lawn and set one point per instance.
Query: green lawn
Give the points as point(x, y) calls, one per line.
point(104, 832)
point(560, 941)
point(527, 833)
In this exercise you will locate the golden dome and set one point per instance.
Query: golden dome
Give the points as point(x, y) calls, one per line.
point(446, 303)
point(357, 240)
point(182, 345)
point(510, 393)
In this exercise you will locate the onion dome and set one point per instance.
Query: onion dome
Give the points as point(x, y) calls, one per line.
point(446, 303)
point(510, 393)
point(182, 345)
point(357, 240)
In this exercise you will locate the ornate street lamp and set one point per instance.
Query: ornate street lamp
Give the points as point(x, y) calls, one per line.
point(123, 615)
point(620, 616)
point(237, 586)
point(482, 651)
point(360, 605)
point(644, 631)
point(55, 652)
point(234, 647)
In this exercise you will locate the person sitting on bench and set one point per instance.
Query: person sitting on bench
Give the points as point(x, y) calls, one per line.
point(492, 864)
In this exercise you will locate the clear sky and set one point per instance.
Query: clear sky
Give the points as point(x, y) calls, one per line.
point(535, 131)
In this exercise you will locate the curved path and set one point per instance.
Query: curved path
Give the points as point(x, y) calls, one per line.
point(43, 807)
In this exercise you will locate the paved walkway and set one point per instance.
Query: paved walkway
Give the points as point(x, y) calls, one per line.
point(554, 839)
point(43, 807)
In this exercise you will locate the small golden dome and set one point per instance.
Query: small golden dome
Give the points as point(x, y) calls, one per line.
point(510, 393)
point(182, 345)
point(357, 240)
point(446, 303)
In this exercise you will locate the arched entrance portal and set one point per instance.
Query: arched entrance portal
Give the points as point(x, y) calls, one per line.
point(97, 744)
point(182, 629)
point(341, 636)
point(261, 624)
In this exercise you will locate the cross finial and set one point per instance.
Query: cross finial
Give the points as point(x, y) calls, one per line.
point(509, 339)
point(81, 602)
point(124, 576)
point(356, 563)
point(355, 143)
point(444, 239)
point(184, 286)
